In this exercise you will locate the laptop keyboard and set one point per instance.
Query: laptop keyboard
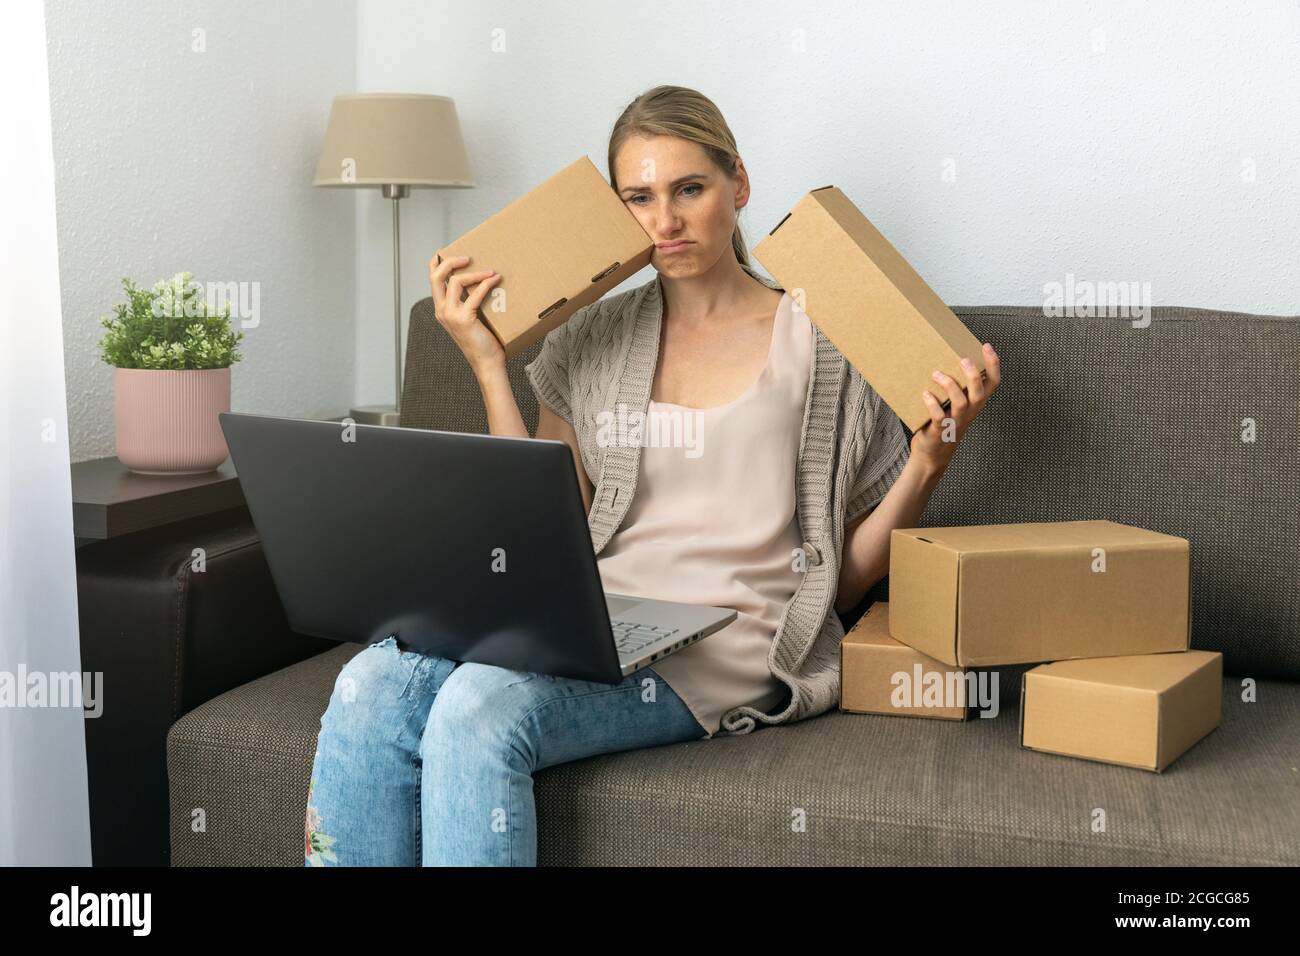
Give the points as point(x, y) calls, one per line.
point(631, 637)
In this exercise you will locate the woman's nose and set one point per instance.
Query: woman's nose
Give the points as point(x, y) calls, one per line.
point(669, 225)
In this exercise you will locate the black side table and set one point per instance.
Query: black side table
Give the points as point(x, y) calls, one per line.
point(110, 500)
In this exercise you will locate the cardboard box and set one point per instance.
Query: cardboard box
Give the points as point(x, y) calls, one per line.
point(987, 595)
point(879, 675)
point(869, 302)
point(559, 248)
point(1139, 711)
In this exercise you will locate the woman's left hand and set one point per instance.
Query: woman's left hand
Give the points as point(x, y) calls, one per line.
point(934, 442)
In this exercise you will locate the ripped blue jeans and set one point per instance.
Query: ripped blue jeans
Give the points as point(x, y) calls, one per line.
point(425, 760)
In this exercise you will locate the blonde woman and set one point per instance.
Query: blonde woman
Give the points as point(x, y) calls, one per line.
point(779, 505)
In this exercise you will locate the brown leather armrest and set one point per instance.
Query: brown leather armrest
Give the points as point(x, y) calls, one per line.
point(167, 637)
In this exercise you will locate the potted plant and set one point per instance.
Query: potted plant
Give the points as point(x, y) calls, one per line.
point(172, 352)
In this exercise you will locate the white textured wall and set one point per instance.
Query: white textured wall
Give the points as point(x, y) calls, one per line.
point(1106, 139)
point(168, 159)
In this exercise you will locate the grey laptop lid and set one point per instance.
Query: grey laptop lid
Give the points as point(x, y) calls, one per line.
point(472, 547)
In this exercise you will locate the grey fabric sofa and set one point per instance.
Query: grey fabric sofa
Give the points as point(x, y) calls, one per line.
point(1096, 419)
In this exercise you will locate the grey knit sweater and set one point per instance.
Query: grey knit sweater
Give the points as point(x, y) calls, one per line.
point(851, 450)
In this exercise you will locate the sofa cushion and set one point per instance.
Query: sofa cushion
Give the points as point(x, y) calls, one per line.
point(866, 789)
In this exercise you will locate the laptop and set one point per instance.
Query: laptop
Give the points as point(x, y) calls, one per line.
point(471, 547)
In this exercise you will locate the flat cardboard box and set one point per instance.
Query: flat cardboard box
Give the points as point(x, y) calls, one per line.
point(857, 288)
point(1140, 711)
point(558, 248)
point(988, 595)
point(879, 675)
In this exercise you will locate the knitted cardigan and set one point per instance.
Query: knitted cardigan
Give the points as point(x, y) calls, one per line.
point(851, 450)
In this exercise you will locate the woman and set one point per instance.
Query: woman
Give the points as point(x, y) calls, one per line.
point(776, 498)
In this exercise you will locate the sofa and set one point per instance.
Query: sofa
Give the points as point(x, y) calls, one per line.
point(1096, 418)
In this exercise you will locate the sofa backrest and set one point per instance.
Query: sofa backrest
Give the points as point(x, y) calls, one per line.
point(1096, 419)
point(439, 390)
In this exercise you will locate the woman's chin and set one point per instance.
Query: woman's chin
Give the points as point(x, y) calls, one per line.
point(674, 263)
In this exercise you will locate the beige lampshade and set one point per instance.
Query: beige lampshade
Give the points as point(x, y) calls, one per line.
point(375, 139)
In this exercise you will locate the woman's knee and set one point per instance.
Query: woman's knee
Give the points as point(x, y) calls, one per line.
point(370, 673)
point(480, 704)
point(368, 687)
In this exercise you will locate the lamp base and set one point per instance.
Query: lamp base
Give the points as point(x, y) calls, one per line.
point(375, 415)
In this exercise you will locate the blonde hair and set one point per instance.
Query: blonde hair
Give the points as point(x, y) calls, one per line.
point(687, 114)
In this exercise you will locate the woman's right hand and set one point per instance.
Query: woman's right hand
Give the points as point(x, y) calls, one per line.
point(460, 318)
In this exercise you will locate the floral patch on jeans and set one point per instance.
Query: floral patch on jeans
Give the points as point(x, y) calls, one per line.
point(316, 844)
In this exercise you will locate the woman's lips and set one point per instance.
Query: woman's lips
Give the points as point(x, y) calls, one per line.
point(673, 246)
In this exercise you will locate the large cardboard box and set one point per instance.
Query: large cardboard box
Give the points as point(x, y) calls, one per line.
point(558, 248)
point(987, 595)
point(869, 302)
point(879, 675)
point(1138, 711)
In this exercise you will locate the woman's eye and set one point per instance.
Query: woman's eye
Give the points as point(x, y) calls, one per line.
point(695, 186)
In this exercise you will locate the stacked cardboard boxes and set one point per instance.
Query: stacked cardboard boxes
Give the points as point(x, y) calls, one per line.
point(1108, 604)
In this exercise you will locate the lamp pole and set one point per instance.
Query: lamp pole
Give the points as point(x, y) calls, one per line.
point(397, 192)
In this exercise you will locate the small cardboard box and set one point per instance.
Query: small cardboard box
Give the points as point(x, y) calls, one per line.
point(558, 248)
point(987, 595)
point(1139, 711)
point(878, 675)
point(869, 302)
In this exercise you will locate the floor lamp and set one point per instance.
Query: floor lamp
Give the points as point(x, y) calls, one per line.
point(395, 141)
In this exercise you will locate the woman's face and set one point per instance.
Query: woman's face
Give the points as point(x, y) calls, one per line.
point(677, 193)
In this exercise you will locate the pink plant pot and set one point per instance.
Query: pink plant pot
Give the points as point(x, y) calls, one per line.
point(167, 419)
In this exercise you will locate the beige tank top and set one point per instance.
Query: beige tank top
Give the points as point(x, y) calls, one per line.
point(713, 522)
